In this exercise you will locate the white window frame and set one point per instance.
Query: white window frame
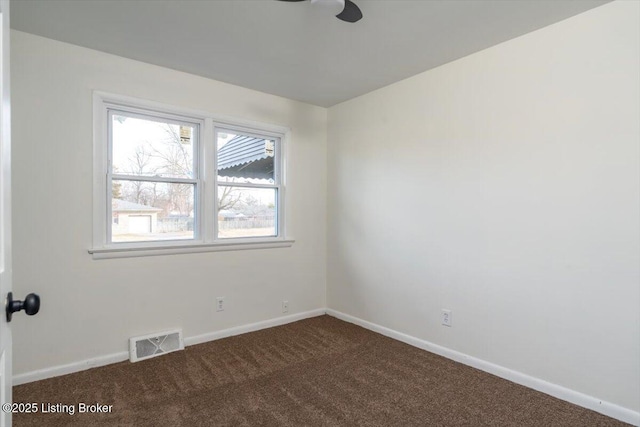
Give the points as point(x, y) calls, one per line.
point(205, 179)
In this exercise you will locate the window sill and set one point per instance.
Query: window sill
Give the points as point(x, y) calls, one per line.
point(139, 251)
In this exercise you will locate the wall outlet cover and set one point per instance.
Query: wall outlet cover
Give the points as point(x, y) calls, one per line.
point(446, 317)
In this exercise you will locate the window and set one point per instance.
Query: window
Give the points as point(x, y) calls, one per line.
point(169, 180)
point(247, 191)
point(153, 176)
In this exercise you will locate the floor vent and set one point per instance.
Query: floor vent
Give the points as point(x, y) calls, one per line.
point(153, 345)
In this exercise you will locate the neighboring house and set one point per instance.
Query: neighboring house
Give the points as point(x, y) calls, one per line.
point(246, 157)
point(133, 218)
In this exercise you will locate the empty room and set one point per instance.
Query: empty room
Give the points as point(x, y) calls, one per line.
point(320, 213)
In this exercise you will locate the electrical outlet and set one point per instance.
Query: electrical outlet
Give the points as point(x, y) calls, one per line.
point(220, 304)
point(446, 317)
point(285, 306)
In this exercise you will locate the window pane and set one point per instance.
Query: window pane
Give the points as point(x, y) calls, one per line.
point(151, 148)
point(246, 212)
point(245, 159)
point(143, 211)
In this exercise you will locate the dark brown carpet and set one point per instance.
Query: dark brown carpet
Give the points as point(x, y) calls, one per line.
point(316, 372)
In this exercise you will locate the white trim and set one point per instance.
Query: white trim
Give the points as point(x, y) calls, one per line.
point(101, 227)
point(70, 368)
point(144, 178)
point(191, 248)
point(278, 178)
point(207, 125)
point(278, 184)
point(248, 185)
point(283, 159)
point(252, 327)
point(219, 119)
point(56, 371)
point(6, 272)
point(606, 408)
point(109, 110)
point(209, 189)
point(162, 116)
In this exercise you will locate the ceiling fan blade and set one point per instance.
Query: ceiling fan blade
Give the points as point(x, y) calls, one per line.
point(350, 13)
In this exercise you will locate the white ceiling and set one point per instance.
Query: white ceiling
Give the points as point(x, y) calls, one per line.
point(291, 49)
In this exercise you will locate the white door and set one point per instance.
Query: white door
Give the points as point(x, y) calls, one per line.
point(139, 224)
point(5, 215)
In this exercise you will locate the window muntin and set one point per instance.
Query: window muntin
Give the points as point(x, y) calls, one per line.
point(153, 178)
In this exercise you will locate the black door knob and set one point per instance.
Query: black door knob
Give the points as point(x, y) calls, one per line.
point(30, 305)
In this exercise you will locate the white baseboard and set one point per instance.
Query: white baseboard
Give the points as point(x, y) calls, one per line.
point(56, 371)
point(572, 396)
point(606, 408)
point(70, 368)
point(211, 336)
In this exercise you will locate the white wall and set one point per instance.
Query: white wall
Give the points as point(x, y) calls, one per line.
point(504, 186)
point(90, 308)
